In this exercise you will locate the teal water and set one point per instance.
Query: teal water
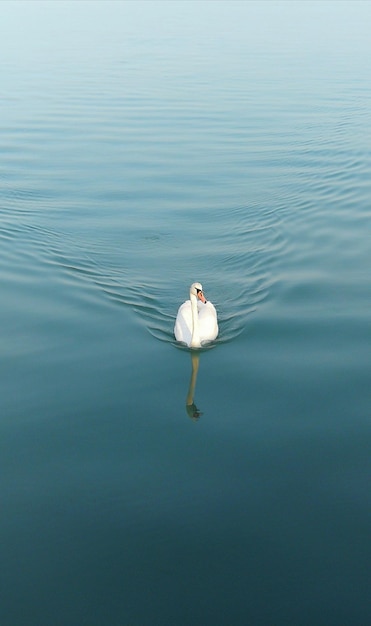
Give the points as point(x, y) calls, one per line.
point(144, 146)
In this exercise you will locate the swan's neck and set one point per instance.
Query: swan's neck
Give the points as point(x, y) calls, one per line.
point(195, 340)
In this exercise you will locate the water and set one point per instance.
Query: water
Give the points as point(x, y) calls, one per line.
point(144, 147)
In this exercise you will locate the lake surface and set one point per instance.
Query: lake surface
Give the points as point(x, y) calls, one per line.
point(143, 147)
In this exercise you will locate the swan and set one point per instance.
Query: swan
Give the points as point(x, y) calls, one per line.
point(196, 321)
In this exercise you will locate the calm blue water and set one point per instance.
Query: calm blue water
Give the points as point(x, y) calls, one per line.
point(143, 147)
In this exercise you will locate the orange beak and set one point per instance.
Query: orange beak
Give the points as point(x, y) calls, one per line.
point(201, 297)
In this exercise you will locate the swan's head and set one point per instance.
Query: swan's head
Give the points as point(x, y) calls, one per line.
point(197, 291)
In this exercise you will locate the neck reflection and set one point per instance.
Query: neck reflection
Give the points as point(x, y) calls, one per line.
point(191, 408)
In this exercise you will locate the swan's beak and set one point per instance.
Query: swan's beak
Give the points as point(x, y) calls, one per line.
point(201, 297)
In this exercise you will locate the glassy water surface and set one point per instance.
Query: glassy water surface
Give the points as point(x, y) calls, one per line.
point(143, 149)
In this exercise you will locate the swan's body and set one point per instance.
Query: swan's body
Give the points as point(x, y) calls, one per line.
point(196, 322)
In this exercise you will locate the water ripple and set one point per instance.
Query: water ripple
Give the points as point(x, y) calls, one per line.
point(150, 270)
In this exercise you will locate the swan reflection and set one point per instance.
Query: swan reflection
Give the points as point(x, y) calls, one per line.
point(191, 408)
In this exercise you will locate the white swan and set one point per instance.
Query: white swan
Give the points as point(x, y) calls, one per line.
point(196, 321)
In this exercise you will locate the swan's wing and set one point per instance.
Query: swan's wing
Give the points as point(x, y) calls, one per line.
point(208, 322)
point(183, 323)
